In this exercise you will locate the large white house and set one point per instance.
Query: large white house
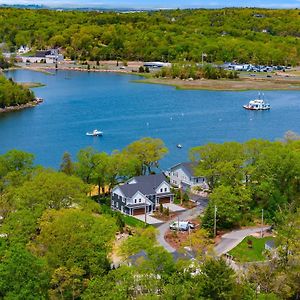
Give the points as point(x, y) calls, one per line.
point(183, 175)
point(141, 194)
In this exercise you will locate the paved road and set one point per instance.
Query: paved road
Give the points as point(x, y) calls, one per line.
point(188, 214)
point(233, 238)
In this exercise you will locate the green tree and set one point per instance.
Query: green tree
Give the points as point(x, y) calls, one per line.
point(66, 164)
point(74, 238)
point(232, 207)
point(148, 151)
point(67, 284)
point(219, 163)
point(217, 280)
point(23, 276)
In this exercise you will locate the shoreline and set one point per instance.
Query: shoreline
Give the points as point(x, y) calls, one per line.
point(277, 82)
point(238, 85)
point(30, 104)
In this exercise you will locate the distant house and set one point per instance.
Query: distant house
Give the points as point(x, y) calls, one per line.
point(141, 194)
point(23, 49)
point(50, 56)
point(157, 64)
point(183, 175)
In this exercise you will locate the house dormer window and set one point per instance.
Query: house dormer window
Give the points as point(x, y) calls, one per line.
point(134, 200)
point(166, 189)
point(140, 200)
point(161, 190)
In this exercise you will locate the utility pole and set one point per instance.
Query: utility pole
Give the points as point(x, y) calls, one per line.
point(215, 221)
point(262, 222)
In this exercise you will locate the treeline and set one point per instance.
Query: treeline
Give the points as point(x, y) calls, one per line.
point(56, 242)
point(245, 178)
point(258, 36)
point(188, 71)
point(12, 94)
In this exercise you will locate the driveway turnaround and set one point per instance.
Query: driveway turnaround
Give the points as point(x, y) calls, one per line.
point(233, 238)
point(150, 220)
point(187, 214)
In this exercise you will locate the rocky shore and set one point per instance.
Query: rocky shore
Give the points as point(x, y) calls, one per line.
point(30, 104)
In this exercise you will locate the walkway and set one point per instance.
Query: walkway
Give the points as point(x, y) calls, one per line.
point(233, 238)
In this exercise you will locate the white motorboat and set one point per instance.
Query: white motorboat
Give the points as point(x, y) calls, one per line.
point(257, 104)
point(179, 146)
point(95, 133)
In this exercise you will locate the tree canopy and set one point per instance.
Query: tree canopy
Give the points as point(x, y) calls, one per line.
point(12, 94)
point(252, 35)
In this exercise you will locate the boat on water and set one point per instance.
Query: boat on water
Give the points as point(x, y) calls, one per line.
point(257, 104)
point(95, 133)
point(179, 146)
point(38, 100)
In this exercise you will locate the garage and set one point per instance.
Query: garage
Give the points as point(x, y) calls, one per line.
point(138, 211)
point(164, 200)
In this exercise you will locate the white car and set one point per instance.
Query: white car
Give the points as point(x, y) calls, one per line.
point(181, 225)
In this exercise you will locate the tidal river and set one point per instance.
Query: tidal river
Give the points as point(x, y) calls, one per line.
point(76, 102)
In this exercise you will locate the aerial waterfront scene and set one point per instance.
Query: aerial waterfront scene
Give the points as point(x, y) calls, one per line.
point(149, 150)
point(77, 102)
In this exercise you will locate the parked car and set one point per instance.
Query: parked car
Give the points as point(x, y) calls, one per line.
point(182, 225)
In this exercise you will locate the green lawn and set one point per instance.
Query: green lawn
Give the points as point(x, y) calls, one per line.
point(130, 221)
point(243, 253)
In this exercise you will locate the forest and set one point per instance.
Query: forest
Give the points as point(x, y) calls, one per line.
point(13, 94)
point(56, 240)
point(245, 35)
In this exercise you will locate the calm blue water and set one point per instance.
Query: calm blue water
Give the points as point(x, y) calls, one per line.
point(78, 102)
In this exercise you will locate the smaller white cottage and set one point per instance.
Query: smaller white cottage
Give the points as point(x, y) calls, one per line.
point(183, 175)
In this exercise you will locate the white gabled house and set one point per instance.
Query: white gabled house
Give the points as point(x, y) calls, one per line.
point(141, 194)
point(183, 176)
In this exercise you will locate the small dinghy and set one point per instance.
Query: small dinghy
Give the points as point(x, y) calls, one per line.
point(95, 133)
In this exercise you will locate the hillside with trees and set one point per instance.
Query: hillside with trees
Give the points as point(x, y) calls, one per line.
point(252, 35)
point(55, 240)
point(246, 178)
point(13, 94)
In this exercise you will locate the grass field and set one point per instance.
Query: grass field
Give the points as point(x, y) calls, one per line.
point(130, 221)
point(242, 253)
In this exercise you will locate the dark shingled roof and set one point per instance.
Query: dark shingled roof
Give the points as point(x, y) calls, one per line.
point(188, 167)
point(145, 184)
